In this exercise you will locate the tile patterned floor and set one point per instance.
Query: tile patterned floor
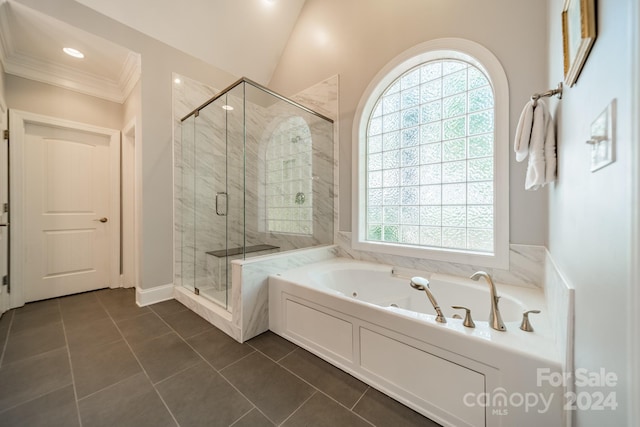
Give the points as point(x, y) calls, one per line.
point(97, 359)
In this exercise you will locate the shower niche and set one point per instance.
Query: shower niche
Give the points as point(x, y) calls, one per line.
point(254, 176)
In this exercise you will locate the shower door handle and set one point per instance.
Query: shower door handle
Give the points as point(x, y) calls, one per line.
point(224, 210)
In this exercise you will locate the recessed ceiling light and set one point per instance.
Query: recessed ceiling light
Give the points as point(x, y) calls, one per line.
point(73, 52)
point(177, 81)
point(227, 107)
point(270, 1)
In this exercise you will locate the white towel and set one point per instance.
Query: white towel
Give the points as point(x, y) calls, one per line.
point(523, 132)
point(535, 138)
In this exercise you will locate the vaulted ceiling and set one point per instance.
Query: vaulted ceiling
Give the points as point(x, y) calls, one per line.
point(242, 37)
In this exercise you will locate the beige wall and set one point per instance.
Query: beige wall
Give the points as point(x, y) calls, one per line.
point(590, 213)
point(356, 38)
point(2, 84)
point(41, 98)
point(158, 63)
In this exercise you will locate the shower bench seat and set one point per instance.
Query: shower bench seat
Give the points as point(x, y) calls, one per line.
point(238, 251)
point(217, 261)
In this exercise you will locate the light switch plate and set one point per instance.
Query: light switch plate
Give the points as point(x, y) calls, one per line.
point(603, 138)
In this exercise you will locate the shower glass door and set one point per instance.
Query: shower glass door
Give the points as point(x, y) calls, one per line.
point(213, 197)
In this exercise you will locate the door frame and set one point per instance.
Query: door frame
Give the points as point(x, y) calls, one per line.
point(17, 203)
point(4, 122)
point(131, 152)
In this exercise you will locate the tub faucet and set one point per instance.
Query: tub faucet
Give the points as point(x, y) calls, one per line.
point(495, 319)
point(422, 284)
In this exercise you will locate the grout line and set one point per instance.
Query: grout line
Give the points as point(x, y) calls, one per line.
point(237, 361)
point(6, 339)
point(176, 373)
point(299, 406)
point(34, 398)
point(360, 398)
point(73, 379)
point(243, 415)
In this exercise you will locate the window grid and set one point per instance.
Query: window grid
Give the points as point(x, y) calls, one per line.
point(289, 173)
point(430, 159)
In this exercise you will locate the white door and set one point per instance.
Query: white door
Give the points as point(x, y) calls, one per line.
point(68, 209)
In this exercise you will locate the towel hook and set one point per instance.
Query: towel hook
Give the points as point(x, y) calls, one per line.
point(551, 92)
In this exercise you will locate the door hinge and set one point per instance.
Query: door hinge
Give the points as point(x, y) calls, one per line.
point(5, 280)
point(5, 134)
point(5, 207)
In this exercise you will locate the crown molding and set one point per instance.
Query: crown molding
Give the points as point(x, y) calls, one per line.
point(61, 75)
point(130, 74)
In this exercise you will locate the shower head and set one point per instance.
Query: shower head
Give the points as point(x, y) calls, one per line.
point(419, 283)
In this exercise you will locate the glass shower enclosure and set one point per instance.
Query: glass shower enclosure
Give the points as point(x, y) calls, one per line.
point(257, 178)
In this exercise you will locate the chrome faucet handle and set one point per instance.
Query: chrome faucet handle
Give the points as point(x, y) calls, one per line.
point(526, 325)
point(468, 321)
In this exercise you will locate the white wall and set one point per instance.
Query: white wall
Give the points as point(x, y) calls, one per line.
point(356, 38)
point(590, 213)
point(41, 98)
point(158, 63)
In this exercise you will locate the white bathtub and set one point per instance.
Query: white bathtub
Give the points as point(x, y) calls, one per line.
point(367, 320)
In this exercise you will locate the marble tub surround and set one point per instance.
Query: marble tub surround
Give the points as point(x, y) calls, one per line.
point(252, 294)
point(526, 263)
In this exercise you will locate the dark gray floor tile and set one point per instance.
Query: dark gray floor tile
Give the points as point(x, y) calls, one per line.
point(341, 386)
point(28, 379)
point(33, 341)
point(218, 348)
point(199, 396)
point(270, 387)
point(187, 323)
point(36, 314)
point(165, 355)
point(166, 308)
point(253, 419)
point(272, 345)
point(121, 303)
point(143, 328)
point(100, 367)
point(327, 378)
point(57, 408)
point(382, 410)
point(76, 301)
point(81, 308)
point(94, 333)
point(130, 403)
point(320, 411)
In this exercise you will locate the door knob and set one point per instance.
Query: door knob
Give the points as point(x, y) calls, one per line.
point(103, 219)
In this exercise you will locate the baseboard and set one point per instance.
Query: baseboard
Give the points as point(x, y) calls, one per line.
point(154, 295)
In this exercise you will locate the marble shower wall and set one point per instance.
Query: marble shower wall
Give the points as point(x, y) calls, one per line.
point(265, 114)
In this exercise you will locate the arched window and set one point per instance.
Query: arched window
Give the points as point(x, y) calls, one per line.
point(289, 207)
point(433, 156)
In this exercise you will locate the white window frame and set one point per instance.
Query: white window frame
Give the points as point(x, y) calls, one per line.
point(424, 52)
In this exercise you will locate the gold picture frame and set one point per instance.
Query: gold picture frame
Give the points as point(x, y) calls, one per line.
point(578, 35)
